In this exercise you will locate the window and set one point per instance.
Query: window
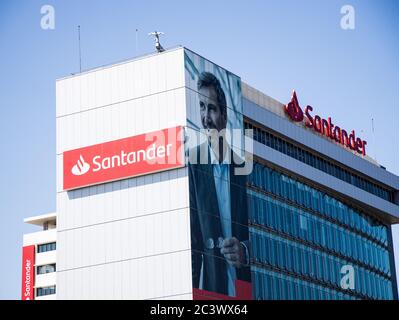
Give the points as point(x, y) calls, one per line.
point(330, 168)
point(337, 230)
point(296, 223)
point(48, 268)
point(45, 291)
point(46, 247)
point(312, 199)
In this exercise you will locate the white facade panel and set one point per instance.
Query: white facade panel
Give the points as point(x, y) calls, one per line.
point(120, 82)
point(121, 120)
point(48, 257)
point(126, 239)
point(152, 277)
point(103, 203)
point(60, 88)
point(39, 237)
point(45, 280)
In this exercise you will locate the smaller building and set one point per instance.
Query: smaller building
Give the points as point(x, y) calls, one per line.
point(39, 259)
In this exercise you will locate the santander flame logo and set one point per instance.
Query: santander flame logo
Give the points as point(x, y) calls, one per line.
point(81, 167)
point(293, 109)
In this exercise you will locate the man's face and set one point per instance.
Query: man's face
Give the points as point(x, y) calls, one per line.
point(211, 113)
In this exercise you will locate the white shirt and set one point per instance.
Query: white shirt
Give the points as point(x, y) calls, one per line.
point(221, 174)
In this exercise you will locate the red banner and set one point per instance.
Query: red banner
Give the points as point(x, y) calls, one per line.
point(124, 158)
point(28, 273)
point(243, 292)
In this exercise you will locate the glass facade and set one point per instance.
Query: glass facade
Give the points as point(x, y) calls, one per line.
point(48, 268)
point(272, 285)
point(46, 247)
point(303, 239)
point(267, 138)
point(45, 291)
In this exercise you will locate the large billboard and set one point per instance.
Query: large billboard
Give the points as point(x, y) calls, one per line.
point(218, 204)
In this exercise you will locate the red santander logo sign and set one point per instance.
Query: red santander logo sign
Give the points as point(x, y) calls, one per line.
point(324, 126)
point(293, 109)
point(124, 158)
point(28, 273)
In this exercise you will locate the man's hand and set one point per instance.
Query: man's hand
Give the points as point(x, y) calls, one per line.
point(233, 251)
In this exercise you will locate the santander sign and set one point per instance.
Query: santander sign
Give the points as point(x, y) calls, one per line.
point(124, 158)
point(324, 126)
point(28, 273)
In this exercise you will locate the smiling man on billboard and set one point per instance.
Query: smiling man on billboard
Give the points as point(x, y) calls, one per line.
point(219, 218)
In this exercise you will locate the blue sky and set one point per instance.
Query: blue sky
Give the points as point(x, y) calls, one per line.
point(275, 46)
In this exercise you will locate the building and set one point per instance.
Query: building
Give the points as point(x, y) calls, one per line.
point(309, 219)
point(39, 259)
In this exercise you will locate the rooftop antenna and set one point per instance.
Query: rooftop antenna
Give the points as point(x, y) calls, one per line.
point(80, 53)
point(158, 46)
point(374, 146)
point(137, 40)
